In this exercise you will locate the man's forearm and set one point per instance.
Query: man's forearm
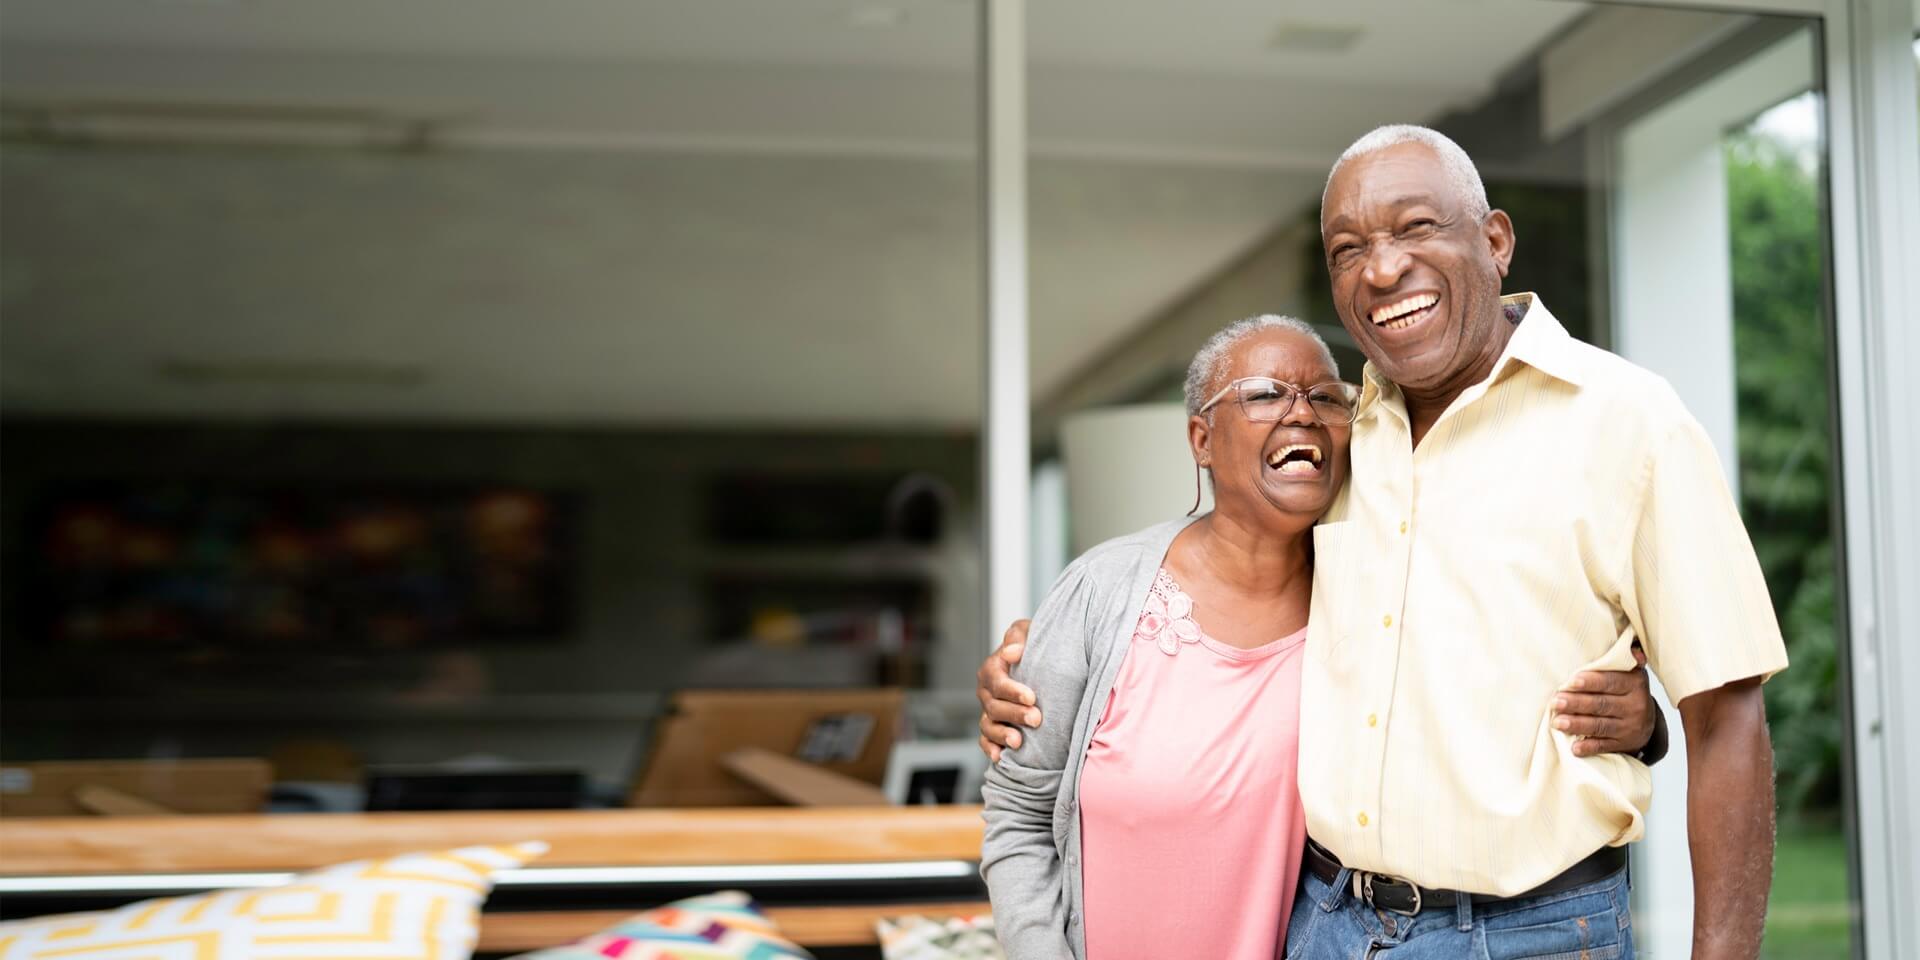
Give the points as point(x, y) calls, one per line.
point(1729, 819)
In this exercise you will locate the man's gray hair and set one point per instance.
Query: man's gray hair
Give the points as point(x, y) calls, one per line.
point(1459, 167)
point(1210, 364)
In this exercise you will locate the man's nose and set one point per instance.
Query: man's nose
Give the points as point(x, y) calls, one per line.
point(1385, 264)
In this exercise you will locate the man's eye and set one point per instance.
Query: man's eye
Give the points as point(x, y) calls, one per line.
point(1345, 252)
point(1418, 227)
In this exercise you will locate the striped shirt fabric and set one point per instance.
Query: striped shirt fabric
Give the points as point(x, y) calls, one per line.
point(1556, 511)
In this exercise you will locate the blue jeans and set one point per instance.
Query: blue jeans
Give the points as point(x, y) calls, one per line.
point(1590, 922)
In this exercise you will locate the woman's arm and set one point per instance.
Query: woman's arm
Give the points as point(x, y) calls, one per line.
point(1020, 859)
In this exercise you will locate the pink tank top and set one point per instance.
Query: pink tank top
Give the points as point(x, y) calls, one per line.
point(1190, 823)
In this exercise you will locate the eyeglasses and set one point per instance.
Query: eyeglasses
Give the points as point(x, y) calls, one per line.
point(1266, 400)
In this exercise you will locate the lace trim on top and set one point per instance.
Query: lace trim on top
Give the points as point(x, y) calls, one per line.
point(1167, 622)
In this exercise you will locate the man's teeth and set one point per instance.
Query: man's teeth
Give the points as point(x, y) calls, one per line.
point(1309, 464)
point(1398, 316)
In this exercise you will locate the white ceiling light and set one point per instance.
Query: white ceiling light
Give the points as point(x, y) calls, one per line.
point(180, 121)
point(292, 372)
point(1296, 36)
point(875, 16)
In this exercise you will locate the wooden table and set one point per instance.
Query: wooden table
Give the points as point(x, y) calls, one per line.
point(637, 838)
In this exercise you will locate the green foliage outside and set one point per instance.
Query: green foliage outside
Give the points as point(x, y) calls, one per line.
point(1809, 916)
point(1786, 440)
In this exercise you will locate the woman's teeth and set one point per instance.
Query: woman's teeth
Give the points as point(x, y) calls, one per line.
point(1295, 458)
point(1400, 315)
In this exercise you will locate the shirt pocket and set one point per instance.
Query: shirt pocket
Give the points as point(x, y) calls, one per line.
point(1339, 587)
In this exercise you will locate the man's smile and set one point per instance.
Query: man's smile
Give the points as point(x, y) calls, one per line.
point(1404, 313)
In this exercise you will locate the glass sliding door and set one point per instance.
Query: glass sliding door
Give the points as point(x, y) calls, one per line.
point(1719, 247)
point(398, 385)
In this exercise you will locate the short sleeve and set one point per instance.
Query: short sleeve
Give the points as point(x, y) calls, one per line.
point(1695, 594)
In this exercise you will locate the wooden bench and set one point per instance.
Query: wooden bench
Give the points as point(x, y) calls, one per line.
point(108, 846)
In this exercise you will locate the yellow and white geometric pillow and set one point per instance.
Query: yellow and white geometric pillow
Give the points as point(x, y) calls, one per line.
point(420, 906)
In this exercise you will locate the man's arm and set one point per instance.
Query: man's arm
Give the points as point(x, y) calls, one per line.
point(1613, 711)
point(1729, 818)
point(1006, 705)
point(1698, 600)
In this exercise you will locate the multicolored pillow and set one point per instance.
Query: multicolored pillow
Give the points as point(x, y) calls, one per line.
point(420, 906)
point(712, 927)
point(956, 938)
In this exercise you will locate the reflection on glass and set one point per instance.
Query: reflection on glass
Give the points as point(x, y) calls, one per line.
point(439, 385)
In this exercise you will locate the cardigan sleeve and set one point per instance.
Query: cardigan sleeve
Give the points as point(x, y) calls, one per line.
point(1020, 858)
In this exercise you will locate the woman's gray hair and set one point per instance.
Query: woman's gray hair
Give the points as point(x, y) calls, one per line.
point(1461, 172)
point(1210, 364)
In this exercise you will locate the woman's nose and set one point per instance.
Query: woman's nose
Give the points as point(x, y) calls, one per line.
point(1300, 412)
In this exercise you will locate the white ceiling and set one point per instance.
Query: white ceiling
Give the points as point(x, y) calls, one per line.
point(725, 211)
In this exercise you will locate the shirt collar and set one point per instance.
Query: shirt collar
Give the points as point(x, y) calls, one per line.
point(1539, 342)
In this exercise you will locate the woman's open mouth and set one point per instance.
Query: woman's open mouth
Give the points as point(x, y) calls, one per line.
point(1402, 314)
point(1296, 460)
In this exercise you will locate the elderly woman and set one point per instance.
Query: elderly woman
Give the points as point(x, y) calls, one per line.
point(1156, 815)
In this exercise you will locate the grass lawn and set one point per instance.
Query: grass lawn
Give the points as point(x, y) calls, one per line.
point(1809, 915)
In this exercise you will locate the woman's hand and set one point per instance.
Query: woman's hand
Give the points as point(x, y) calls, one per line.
point(1611, 711)
point(1005, 705)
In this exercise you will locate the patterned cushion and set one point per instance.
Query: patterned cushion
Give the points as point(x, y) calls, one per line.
point(714, 927)
point(956, 938)
point(421, 906)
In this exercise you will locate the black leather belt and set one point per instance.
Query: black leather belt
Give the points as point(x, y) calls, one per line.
point(1395, 895)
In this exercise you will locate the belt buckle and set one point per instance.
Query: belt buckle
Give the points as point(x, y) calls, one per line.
point(1363, 889)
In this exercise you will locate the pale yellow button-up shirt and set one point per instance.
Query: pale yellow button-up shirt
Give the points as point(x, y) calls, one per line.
point(1556, 511)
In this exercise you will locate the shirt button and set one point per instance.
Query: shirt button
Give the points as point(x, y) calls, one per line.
point(1363, 819)
point(1387, 621)
point(1403, 526)
point(1373, 719)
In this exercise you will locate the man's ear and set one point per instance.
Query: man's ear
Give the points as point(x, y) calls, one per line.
point(1499, 232)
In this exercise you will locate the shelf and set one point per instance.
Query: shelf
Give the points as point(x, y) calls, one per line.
point(607, 706)
point(890, 562)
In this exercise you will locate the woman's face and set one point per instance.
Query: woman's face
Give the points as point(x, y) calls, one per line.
point(1293, 465)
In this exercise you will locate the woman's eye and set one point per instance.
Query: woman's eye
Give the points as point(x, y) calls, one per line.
point(1262, 394)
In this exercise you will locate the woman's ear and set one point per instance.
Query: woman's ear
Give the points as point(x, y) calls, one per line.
point(1200, 439)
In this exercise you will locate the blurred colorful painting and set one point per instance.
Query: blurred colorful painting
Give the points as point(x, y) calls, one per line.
point(359, 571)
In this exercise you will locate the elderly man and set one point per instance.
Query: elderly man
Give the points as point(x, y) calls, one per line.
point(1523, 507)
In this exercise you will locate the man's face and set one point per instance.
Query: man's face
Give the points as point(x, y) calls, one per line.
point(1416, 277)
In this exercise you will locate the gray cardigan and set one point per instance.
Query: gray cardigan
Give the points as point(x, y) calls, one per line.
point(1079, 638)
